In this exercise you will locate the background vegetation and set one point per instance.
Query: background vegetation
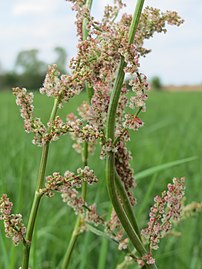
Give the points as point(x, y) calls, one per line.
point(171, 135)
point(29, 70)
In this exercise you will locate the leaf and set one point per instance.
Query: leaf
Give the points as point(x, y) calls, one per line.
point(154, 169)
point(99, 232)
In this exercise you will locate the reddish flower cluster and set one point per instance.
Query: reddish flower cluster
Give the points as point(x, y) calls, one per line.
point(146, 259)
point(167, 208)
point(54, 129)
point(153, 20)
point(14, 227)
point(67, 185)
point(25, 101)
point(99, 104)
point(107, 147)
point(88, 213)
point(132, 122)
point(140, 86)
point(61, 87)
point(56, 182)
point(81, 133)
point(122, 164)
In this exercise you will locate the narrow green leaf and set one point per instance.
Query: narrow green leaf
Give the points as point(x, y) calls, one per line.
point(152, 170)
point(98, 232)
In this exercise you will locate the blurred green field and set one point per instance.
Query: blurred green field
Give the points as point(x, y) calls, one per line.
point(173, 123)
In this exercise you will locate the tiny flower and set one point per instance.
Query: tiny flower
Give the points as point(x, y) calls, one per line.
point(14, 227)
point(132, 122)
point(166, 209)
point(123, 244)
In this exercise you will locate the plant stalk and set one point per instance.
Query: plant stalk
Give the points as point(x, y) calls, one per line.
point(37, 196)
point(78, 223)
point(110, 130)
point(126, 204)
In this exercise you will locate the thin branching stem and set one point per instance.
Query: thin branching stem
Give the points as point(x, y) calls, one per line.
point(38, 195)
point(76, 230)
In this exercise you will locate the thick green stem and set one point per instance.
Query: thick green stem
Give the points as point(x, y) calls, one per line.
point(110, 130)
point(110, 174)
point(127, 205)
point(37, 196)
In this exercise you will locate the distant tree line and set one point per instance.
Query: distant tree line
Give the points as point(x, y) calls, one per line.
point(29, 71)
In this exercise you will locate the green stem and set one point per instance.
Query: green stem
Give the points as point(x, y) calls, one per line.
point(110, 130)
point(135, 21)
point(104, 247)
point(127, 205)
point(77, 225)
point(110, 174)
point(37, 196)
point(75, 233)
point(103, 253)
point(85, 32)
point(72, 243)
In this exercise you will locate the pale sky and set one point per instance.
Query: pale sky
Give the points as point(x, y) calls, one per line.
point(44, 24)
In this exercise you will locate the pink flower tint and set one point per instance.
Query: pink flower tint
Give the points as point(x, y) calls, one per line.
point(132, 122)
point(167, 209)
point(14, 227)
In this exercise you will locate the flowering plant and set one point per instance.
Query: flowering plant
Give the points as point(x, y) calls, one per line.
point(107, 50)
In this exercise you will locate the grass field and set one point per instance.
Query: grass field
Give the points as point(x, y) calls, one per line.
point(172, 133)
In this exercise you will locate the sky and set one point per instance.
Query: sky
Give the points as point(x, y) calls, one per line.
point(176, 57)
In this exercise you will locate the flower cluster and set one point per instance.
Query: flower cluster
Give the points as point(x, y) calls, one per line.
point(139, 86)
point(61, 87)
point(153, 20)
point(82, 12)
point(167, 208)
point(99, 104)
point(107, 147)
point(14, 227)
point(67, 186)
point(146, 259)
point(81, 133)
point(31, 123)
point(95, 65)
point(57, 182)
point(25, 101)
point(87, 212)
point(132, 122)
point(124, 171)
point(54, 129)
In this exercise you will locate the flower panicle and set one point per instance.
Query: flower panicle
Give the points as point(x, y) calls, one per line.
point(13, 223)
point(69, 180)
point(61, 87)
point(166, 210)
